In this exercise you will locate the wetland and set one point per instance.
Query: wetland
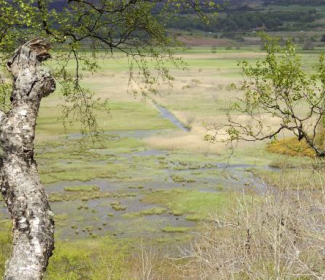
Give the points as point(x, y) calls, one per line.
point(150, 175)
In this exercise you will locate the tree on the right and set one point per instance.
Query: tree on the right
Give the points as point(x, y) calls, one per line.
point(280, 95)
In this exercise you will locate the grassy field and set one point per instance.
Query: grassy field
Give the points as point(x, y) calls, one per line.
point(144, 176)
point(141, 145)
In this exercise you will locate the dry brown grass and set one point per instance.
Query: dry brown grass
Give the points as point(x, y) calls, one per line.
point(184, 141)
point(151, 263)
point(279, 236)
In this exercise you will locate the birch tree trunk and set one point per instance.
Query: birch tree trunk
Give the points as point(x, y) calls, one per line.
point(33, 226)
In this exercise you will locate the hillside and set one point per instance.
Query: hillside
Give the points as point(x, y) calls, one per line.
point(267, 15)
point(252, 15)
point(239, 21)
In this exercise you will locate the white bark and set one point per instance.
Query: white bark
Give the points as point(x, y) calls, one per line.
point(33, 226)
point(2, 116)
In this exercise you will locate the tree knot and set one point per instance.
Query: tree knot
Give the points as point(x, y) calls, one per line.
point(30, 54)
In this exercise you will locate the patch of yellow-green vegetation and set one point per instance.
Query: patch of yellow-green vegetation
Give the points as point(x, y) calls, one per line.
point(136, 187)
point(5, 224)
point(75, 161)
point(177, 213)
point(5, 248)
point(114, 143)
point(77, 195)
point(142, 115)
point(258, 156)
point(136, 115)
point(193, 218)
point(171, 229)
point(69, 155)
point(117, 206)
point(295, 178)
point(5, 242)
point(124, 195)
point(98, 259)
point(82, 189)
point(190, 202)
point(182, 161)
point(61, 220)
point(290, 163)
point(291, 147)
point(147, 212)
point(185, 165)
point(82, 171)
point(175, 240)
point(87, 148)
point(181, 179)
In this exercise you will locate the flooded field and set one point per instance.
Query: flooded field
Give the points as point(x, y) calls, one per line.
point(132, 190)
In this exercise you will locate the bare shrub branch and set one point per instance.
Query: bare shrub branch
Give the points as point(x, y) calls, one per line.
point(279, 236)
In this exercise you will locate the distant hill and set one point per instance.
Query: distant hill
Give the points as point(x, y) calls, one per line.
point(255, 15)
point(281, 2)
point(250, 15)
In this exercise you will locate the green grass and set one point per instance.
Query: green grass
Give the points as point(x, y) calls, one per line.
point(135, 115)
point(81, 171)
point(260, 157)
point(181, 179)
point(190, 202)
point(116, 205)
point(148, 212)
point(193, 218)
point(77, 195)
point(73, 162)
point(5, 248)
point(102, 258)
point(170, 229)
point(297, 178)
point(82, 189)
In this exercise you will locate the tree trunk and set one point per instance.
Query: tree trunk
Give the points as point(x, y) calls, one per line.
point(33, 226)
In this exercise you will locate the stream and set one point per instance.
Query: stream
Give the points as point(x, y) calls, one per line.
point(166, 114)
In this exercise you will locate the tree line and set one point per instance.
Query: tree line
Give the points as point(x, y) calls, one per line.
point(245, 21)
point(300, 2)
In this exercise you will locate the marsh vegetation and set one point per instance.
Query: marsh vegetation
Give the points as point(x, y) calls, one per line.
point(147, 179)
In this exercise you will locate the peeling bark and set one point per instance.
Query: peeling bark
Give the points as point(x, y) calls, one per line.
point(33, 226)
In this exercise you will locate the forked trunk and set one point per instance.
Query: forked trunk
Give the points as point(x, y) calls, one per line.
point(33, 226)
